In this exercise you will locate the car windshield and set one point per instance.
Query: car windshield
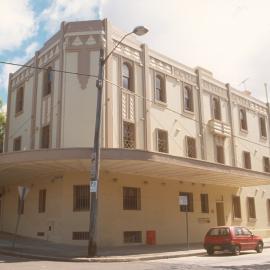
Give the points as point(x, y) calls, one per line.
point(218, 232)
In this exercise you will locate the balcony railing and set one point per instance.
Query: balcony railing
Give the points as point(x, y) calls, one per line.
point(220, 128)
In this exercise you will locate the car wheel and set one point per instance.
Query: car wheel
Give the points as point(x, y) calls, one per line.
point(210, 251)
point(236, 250)
point(259, 247)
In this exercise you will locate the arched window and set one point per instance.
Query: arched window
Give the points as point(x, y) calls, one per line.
point(216, 108)
point(127, 76)
point(188, 98)
point(243, 119)
point(48, 80)
point(160, 93)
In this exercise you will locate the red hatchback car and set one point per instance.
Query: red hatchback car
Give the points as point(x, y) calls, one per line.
point(233, 239)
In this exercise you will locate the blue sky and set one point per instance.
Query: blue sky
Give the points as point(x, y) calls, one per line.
point(230, 38)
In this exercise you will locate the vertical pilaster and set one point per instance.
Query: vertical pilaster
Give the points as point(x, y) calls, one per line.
point(34, 103)
point(60, 91)
point(229, 95)
point(8, 114)
point(108, 114)
point(147, 97)
point(268, 117)
point(201, 114)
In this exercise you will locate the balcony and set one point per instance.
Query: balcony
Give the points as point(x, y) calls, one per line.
point(219, 128)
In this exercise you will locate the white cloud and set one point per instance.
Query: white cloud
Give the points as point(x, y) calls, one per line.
point(4, 109)
point(230, 38)
point(66, 10)
point(16, 23)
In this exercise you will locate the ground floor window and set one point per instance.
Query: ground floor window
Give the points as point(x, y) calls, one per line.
point(133, 237)
point(251, 207)
point(236, 207)
point(81, 198)
point(131, 198)
point(204, 203)
point(189, 206)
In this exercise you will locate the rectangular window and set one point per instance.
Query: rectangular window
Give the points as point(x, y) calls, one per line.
point(189, 206)
point(243, 119)
point(20, 206)
point(19, 100)
point(17, 144)
point(204, 203)
point(42, 201)
point(47, 83)
point(45, 137)
point(131, 198)
point(268, 209)
point(236, 207)
point(247, 160)
point(266, 164)
point(81, 198)
point(162, 141)
point(216, 108)
point(251, 207)
point(188, 98)
point(133, 237)
point(129, 135)
point(80, 235)
point(263, 127)
point(220, 154)
point(191, 147)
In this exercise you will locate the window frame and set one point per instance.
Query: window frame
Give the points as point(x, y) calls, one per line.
point(193, 139)
point(190, 206)
point(19, 100)
point(42, 198)
point(263, 136)
point(247, 154)
point(42, 144)
point(243, 129)
point(131, 80)
point(167, 140)
point(238, 198)
point(219, 143)
point(266, 165)
point(47, 81)
point(251, 208)
point(162, 89)
point(191, 98)
point(219, 108)
point(131, 202)
point(81, 198)
point(19, 138)
point(204, 198)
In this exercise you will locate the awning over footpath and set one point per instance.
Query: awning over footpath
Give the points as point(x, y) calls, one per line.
point(36, 165)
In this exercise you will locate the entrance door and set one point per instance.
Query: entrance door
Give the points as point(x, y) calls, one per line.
point(220, 214)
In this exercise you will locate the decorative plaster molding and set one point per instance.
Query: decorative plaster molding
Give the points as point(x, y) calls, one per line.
point(212, 88)
point(185, 76)
point(160, 65)
point(128, 52)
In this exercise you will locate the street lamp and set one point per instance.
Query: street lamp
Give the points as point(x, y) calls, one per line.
point(95, 158)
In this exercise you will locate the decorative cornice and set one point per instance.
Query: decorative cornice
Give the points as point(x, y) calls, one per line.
point(214, 89)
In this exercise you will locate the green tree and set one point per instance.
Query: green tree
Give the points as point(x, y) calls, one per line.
point(2, 126)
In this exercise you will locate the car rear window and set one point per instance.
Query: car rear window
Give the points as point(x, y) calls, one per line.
point(218, 232)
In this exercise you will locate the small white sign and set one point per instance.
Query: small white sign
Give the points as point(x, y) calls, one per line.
point(183, 200)
point(23, 191)
point(93, 186)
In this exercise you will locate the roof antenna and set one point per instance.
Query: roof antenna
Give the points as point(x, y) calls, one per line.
point(244, 83)
point(266, 92)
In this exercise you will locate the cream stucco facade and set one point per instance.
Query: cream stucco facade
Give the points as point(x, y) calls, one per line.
point(164, 104)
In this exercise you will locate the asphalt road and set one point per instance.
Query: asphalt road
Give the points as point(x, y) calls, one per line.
point(246, 261)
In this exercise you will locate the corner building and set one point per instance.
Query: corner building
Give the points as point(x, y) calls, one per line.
point(167, 130)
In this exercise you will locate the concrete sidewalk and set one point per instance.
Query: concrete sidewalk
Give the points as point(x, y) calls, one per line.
point(44, 250)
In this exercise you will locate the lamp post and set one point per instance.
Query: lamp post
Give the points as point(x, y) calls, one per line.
point(95, 158)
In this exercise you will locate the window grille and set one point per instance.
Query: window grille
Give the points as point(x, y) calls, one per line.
point(132, 237)
point(80, 235)
point(189, 206)
point(131, 198)
point(81, 198)
point(236, 207)
point(162, 141)
point(129, 135)
point(251, 207)
point(204, 203)
point(191, 147)
point(42, 201)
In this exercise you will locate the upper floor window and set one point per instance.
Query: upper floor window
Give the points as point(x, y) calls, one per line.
point(247, 160)
point(219, 145)
point(262, 122)
point(19, 100)
point(45, 137)
point(17, 144)
point(162, 141)
point(48, 80)
point(129, 135)
point(216, 108)
point(188, 98)
point(160, 93)
point(266, 164)
point(236, 207)
point(191, 147)
point(243, 119)
point(127, 76)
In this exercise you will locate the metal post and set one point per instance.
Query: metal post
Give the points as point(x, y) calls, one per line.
point(187, 226)
point(95, 162)
point(18, 222)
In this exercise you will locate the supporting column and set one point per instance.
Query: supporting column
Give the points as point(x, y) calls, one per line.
point(147, 98)
point(201, 115)
point(229, 95)
point(8, 113)
point(60, 90)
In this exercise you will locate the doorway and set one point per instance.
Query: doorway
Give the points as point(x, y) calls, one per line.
point(220, 213)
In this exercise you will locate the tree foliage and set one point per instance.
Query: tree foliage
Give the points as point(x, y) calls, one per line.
point(2, 126)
